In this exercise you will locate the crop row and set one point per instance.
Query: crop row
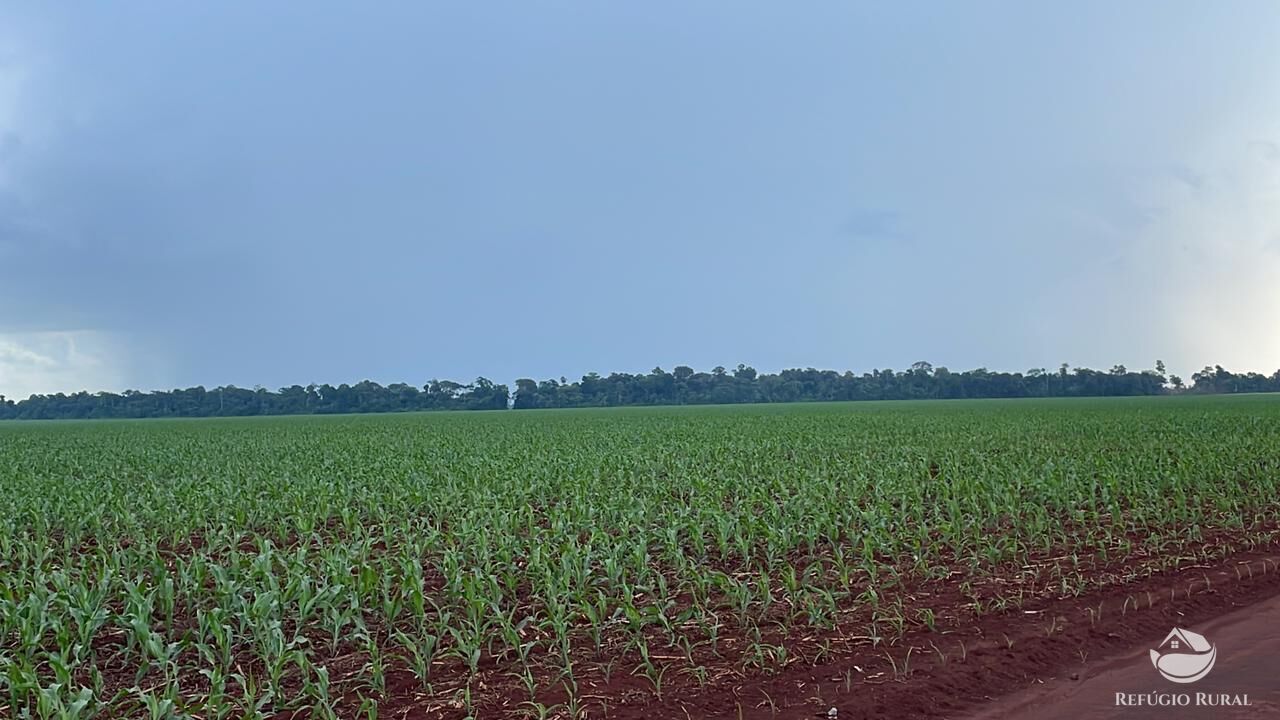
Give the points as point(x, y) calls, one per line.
point(241, 568)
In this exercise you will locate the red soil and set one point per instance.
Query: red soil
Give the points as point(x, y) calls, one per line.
point(962, 666)
point(1066, 653)
point(1248, 646)
point(1056, 643)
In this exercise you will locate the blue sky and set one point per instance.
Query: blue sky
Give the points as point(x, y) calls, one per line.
point(249, 194)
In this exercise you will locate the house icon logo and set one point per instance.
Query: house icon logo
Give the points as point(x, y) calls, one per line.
point(1184, 656)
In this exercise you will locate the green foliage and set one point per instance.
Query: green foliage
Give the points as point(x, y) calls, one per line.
point(225, 563)
point(682, 386)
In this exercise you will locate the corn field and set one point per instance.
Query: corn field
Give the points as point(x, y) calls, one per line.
point(324, 567)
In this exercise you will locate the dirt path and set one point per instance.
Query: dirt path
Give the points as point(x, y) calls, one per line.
point(1248, 663)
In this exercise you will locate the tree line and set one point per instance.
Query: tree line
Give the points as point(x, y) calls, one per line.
point(682, 386)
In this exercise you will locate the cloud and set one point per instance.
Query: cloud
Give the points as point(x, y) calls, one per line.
point(293, 213)
point(14, 82)
point(1266, 150)
point(1189, 177)
point(1175, 260)
point(1210, 262)
point(47, 362)
point(873, 223)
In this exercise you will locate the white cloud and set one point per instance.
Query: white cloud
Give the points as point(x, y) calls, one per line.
point(1212, 260)
point(12, 81)
point(1177, 262)
point(64, 361)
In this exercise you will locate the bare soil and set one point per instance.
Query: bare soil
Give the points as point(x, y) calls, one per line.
point(1050, 655)
point(1248, 647)
point(1049, 651)
point(961, 672)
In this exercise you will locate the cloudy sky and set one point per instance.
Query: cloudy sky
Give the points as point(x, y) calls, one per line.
point(254, 194)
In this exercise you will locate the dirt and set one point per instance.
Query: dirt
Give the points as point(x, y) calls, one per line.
point(1011, 662)
point(1048, 656)
point(1247, 642)
point(1068, 656)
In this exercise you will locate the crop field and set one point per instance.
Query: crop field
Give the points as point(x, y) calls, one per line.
point(584, 563)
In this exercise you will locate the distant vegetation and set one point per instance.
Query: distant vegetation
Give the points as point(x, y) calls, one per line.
point(681, 386)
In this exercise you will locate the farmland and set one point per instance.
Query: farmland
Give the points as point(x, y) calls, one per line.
point(584, 562)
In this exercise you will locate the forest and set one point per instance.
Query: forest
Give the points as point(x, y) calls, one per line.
point(682, 386)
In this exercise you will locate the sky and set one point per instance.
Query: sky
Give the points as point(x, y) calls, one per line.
point(270, 194)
